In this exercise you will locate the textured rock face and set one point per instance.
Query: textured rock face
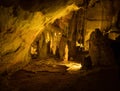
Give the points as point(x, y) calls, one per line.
point(62, 45)
point(20, 22)
point(103, 15)
point(18, 32)
point(100, 50)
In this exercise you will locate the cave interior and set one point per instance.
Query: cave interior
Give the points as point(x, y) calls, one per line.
point(74, 44)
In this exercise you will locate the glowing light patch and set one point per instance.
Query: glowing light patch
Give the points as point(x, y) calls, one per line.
point(55, 34)
point(47, 38)
point(59, 33)
point(72, 66)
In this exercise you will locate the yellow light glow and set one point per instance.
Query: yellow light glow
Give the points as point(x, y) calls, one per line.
point(72, 66)
point(66, 54)
point(47, 37)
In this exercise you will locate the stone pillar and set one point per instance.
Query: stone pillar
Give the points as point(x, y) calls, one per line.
point(66, 54)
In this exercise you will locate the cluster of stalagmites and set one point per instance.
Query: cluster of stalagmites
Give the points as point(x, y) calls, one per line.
point(64, 32)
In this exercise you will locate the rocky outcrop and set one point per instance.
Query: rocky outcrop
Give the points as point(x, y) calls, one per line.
point(100, 50)
point(100, 14)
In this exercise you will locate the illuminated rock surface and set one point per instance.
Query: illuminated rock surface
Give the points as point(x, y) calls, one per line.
point(48, 25)
point(20, 23)
point(33, 39)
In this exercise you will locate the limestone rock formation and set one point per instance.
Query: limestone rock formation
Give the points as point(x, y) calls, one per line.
point(100, 50)
point(25, 22)
point(20, 22)
point(101, 14)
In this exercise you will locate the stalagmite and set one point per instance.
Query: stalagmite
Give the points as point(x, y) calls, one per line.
point(66, 54)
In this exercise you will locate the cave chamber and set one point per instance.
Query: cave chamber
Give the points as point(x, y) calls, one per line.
point(83, 31)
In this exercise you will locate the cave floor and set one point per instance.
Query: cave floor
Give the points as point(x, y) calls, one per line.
point(31, 78)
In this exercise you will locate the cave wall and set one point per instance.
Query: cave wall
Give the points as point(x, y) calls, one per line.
point(20, 22)
point(101, 14)
point(100, 49)
point(17, 36)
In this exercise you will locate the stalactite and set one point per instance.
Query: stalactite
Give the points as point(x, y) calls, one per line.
point(53, 45)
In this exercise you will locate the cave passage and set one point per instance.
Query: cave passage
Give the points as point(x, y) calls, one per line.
point(75, 40)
